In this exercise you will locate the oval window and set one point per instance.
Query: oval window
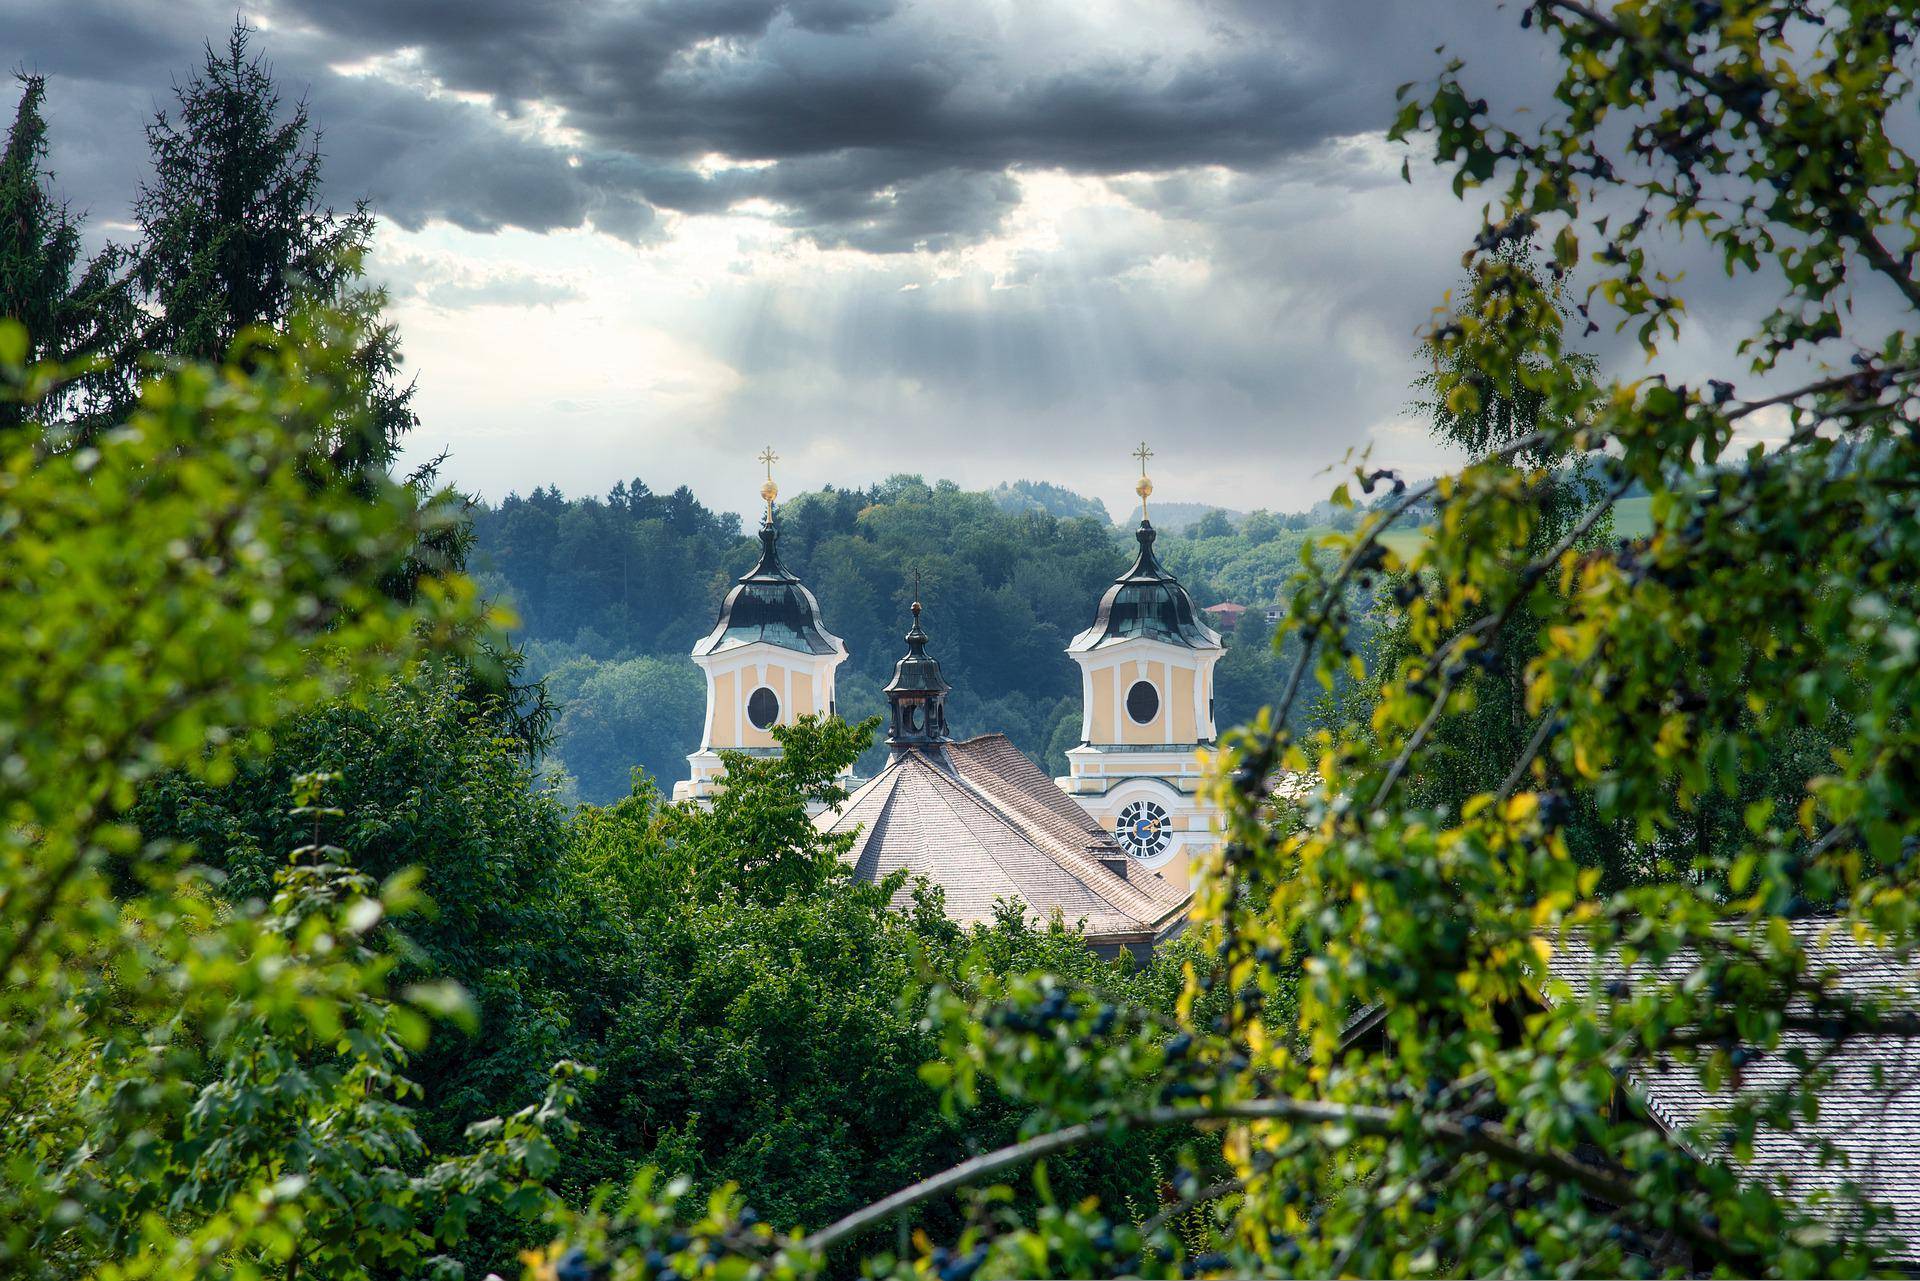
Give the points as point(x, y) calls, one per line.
point(1143, 702)
point(763, 708)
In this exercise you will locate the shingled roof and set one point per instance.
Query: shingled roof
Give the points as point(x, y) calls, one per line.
point(1869, 1111)
point(980, 820)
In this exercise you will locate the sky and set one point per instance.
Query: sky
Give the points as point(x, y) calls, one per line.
point(979, 240)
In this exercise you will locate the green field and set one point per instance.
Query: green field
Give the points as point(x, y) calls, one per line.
point(1632, 518)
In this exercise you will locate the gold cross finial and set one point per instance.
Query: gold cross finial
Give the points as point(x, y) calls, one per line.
point(1145, 486)
point(769, 491)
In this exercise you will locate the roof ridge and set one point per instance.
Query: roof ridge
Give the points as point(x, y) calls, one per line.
point(1088, 868)
point(943, 779)
point(1098, 885)
point(959, 787)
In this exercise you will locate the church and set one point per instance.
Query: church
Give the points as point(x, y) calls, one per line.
point(1108, 847)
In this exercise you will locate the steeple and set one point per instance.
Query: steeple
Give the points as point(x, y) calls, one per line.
point(917, 695)
point(768, 604)
point(1147, 723)
point(1145, 487)
point(768, 659)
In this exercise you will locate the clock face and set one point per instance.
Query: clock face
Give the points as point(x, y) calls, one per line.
point(1144, 829)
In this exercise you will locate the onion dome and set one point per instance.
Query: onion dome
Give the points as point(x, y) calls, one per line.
point(1146, 603)
point(917, 694)
point(769, 606)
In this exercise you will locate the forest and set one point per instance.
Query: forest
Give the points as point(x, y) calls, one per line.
point(339, 940)
point(612, 593)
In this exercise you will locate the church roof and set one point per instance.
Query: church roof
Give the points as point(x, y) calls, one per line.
point(1869, 1106)
point(769, 606)
point(980, 820)
point(1146, 603)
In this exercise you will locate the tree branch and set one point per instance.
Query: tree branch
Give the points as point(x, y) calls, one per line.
point(1472, 1134)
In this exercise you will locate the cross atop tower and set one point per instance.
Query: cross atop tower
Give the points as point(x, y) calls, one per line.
point(769, 491)
point(1145, 487)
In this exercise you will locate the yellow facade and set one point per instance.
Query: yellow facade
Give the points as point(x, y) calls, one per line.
point(1179, 702)
point(726, 711)
point(1102, 721)
point(800, 694)
point(1181, 715)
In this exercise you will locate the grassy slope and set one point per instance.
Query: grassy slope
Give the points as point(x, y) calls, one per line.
point(1631, 519)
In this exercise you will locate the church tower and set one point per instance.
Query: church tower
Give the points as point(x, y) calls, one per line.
point(1146, 687)
point(916, 696)
point(768, 660)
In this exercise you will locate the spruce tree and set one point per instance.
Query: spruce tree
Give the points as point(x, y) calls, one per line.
point(235, 235)
point(67, 317)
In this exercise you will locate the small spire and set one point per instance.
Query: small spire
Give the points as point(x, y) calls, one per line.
point(917, 694)
point(1145, 487)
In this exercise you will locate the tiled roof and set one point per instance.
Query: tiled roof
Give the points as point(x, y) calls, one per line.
point(981, 821)
point(1869, 1111)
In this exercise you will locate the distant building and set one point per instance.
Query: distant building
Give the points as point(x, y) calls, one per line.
point(1866, 1129)
point(1226, 614)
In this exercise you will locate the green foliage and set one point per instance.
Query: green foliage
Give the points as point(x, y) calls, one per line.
point(623, 714)
point(1177, 518)
point(636, 574)
point(1212, 525)
point(194, 1087)
point(1055, 500)
point(771, 1012)
point(427, 784)
point(756, 1015)
point(1470, 751)
point(1489, 1125)
point(279, 1116)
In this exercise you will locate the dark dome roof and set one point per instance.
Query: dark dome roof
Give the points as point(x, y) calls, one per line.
point(769, 606)
point(917, 671)
point(1147, 603)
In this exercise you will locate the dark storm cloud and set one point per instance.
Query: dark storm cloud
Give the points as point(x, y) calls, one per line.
point(875, 124)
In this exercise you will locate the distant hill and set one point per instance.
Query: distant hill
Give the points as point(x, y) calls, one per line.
point(1174, 518)
point(1038, 495)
